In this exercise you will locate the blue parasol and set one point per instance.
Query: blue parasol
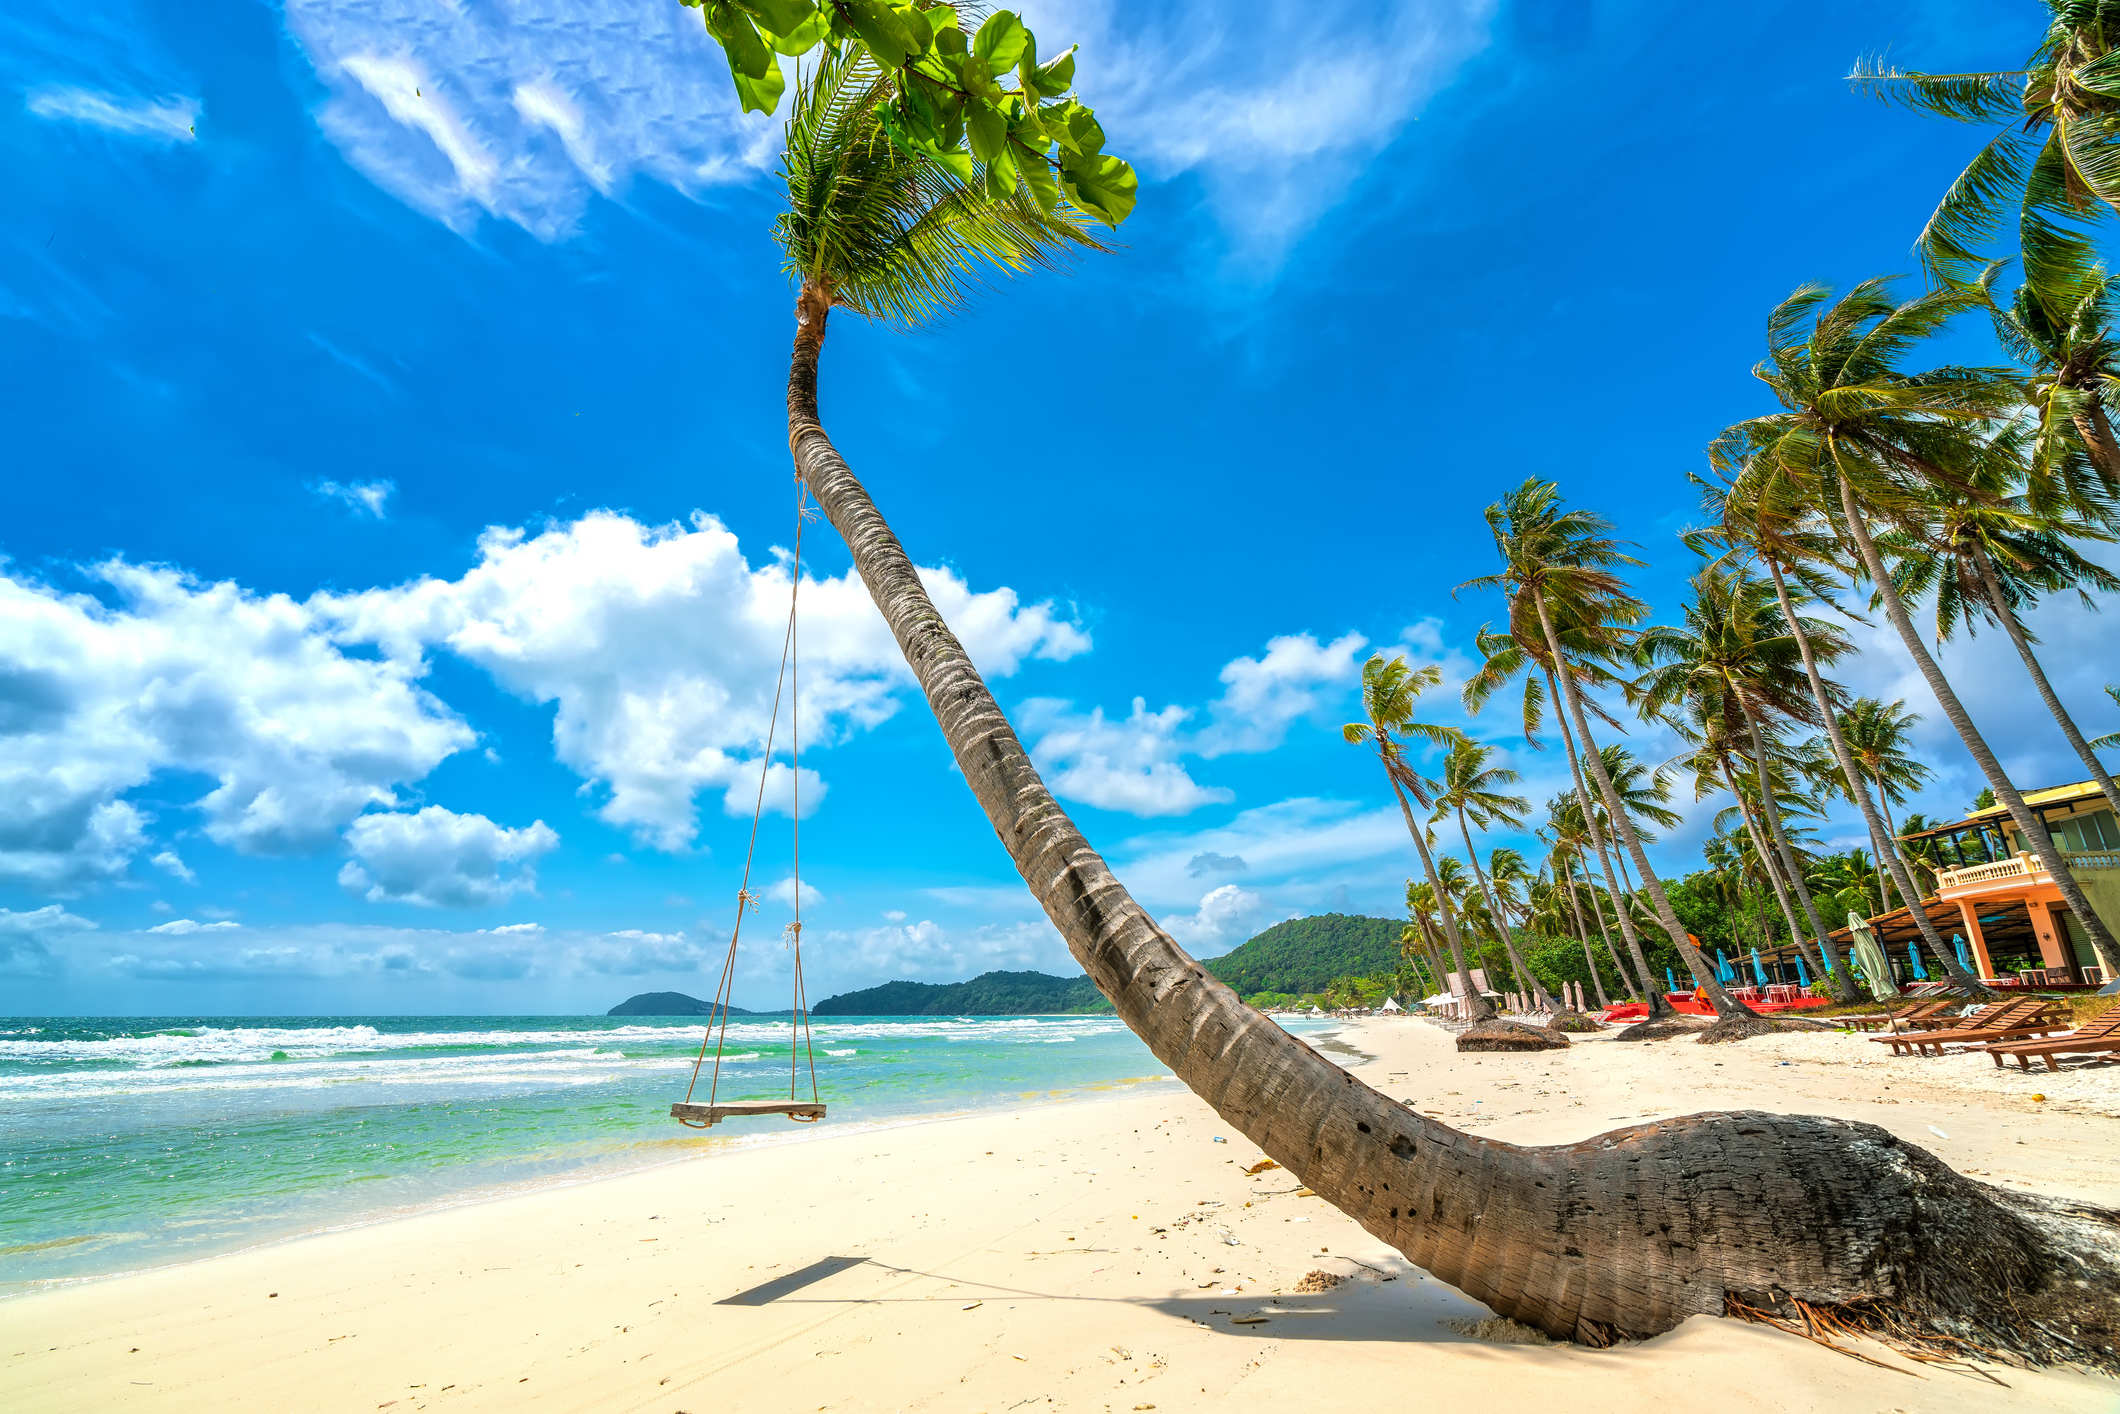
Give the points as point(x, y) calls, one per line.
point(1759, 969)
point(1803, 974)
point(1965, 959)
point(1673, 981)
point(1921, 974)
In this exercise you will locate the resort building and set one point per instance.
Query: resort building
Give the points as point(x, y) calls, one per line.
point(1993, 893)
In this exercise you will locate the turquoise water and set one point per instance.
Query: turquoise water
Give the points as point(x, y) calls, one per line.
point(140, 1141)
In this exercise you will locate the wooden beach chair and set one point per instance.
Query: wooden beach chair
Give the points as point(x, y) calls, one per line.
point(2000, 1014)
point(2033, 1016)
point(1899, 1020)
point(2101, 1033)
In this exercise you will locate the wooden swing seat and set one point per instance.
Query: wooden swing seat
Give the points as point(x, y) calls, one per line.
point(741, 1109)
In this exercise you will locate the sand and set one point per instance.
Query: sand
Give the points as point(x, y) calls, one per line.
point(1089, 1256)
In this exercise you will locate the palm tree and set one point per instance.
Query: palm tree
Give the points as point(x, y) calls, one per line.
point(2066, 342)
point(1735, 659)
point(1390, 688)
point(1584, 644)
point(2111, 740)
point(1502, 1223)
point(1472, 791)
point(1510, 880)
point(1987, 559)
point(1553, 557)
point(1878, 735)
point(2056, 159)
point(1858, 438)
point(1851, 883)
point(1567, 829)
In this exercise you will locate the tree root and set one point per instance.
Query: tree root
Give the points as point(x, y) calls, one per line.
point(1680, 1025)
point(1744, 1028)
point(1961, 1307)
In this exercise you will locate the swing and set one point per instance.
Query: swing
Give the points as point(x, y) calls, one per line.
point(716, 1109)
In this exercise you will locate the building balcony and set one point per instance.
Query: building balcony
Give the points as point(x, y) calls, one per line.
point(2023, 871)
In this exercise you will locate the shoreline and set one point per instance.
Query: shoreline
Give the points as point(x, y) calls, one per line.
point(1107, 1256)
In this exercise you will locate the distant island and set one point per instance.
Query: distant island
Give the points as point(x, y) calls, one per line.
point(668, 1004)
point(989, 994)
point(1305, 955)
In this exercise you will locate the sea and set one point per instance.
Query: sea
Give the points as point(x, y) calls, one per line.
point(135, 1142)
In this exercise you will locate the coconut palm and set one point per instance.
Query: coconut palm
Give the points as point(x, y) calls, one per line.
point(1735, 659)
point(1473, 791)
point(1506, 656)
point(1568, 830)
point(1859, 439)
point(2067, 345)
point(1989, 559)
point(2053, 166)
point(1878, 736)
point(1559, 563)
point(1850, 883)
point(1391, 688)
point(1891, 1234)
point(2111, 740)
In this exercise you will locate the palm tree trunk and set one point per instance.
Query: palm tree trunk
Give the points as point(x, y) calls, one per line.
point(1597, 979)
point(1659, 1004)
point(1476, 1003)
point(1648, 988)
point(2030, 826)
point(1770, 810)
point(1884, 803)
point(2097, 435)
point(1767, 864)
point(1501, 921)
point(2000, 607)
point(1752, 1206)
point(1843, 987)
point(1725, 1004)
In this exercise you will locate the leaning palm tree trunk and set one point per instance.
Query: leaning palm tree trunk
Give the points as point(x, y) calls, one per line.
point(1760, 1208)
point(1773, 872)
point(2028, 825)
point(1725, 1004)
point(1605, 933)
point(1476, 1003)
point(1961, 980)
point(1582, 933)
point(1659, 1004)
point(1770, 811)
point(1525, 976)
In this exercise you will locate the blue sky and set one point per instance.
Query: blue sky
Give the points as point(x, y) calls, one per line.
point(398, 485)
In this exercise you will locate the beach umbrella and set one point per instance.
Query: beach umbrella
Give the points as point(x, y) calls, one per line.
point(1670, 980)
point(1877, 972)
point(1965, 959)
point(1759, 969)
point(1803, 974)
point(1921, 974)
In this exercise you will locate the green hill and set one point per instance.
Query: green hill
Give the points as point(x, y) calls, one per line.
point(667, 1004)
point(989, 994)
point(1305, 954)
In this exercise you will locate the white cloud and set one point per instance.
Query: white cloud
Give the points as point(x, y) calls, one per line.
point(169, 863)
point(1277, 107)
point(1225, 917)
point(367, 497)
point(25, 939)
point(929, 951)
point(661, 644)
point(202, 678)
point(784, 892)
point(440, 859)
point(1263, 697)
point(180, 927)
point(1126, 766)
point(631, 952)
point(163, 120)
point(1133, 766)
point(522, 111)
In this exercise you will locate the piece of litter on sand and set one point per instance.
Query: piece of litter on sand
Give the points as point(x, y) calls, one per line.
point(971, 1306)
point(1262, 1166)
point(1220, 1140)
point(1014, 1356)
point(1248, 1320)
point(1937, 1132)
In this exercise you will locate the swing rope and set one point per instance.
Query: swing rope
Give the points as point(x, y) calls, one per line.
point(718, 1014)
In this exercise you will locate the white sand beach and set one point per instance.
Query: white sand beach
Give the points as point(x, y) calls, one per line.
point(1090, 1256)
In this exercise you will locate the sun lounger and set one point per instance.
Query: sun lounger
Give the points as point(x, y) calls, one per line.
point(2100, 1034)
point(1899, 1020)
point(1990, 1025)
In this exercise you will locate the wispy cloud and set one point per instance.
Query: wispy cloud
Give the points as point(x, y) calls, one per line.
point(163, 120)
point(367, 497)
point(522, 112)
point(1276, 109)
